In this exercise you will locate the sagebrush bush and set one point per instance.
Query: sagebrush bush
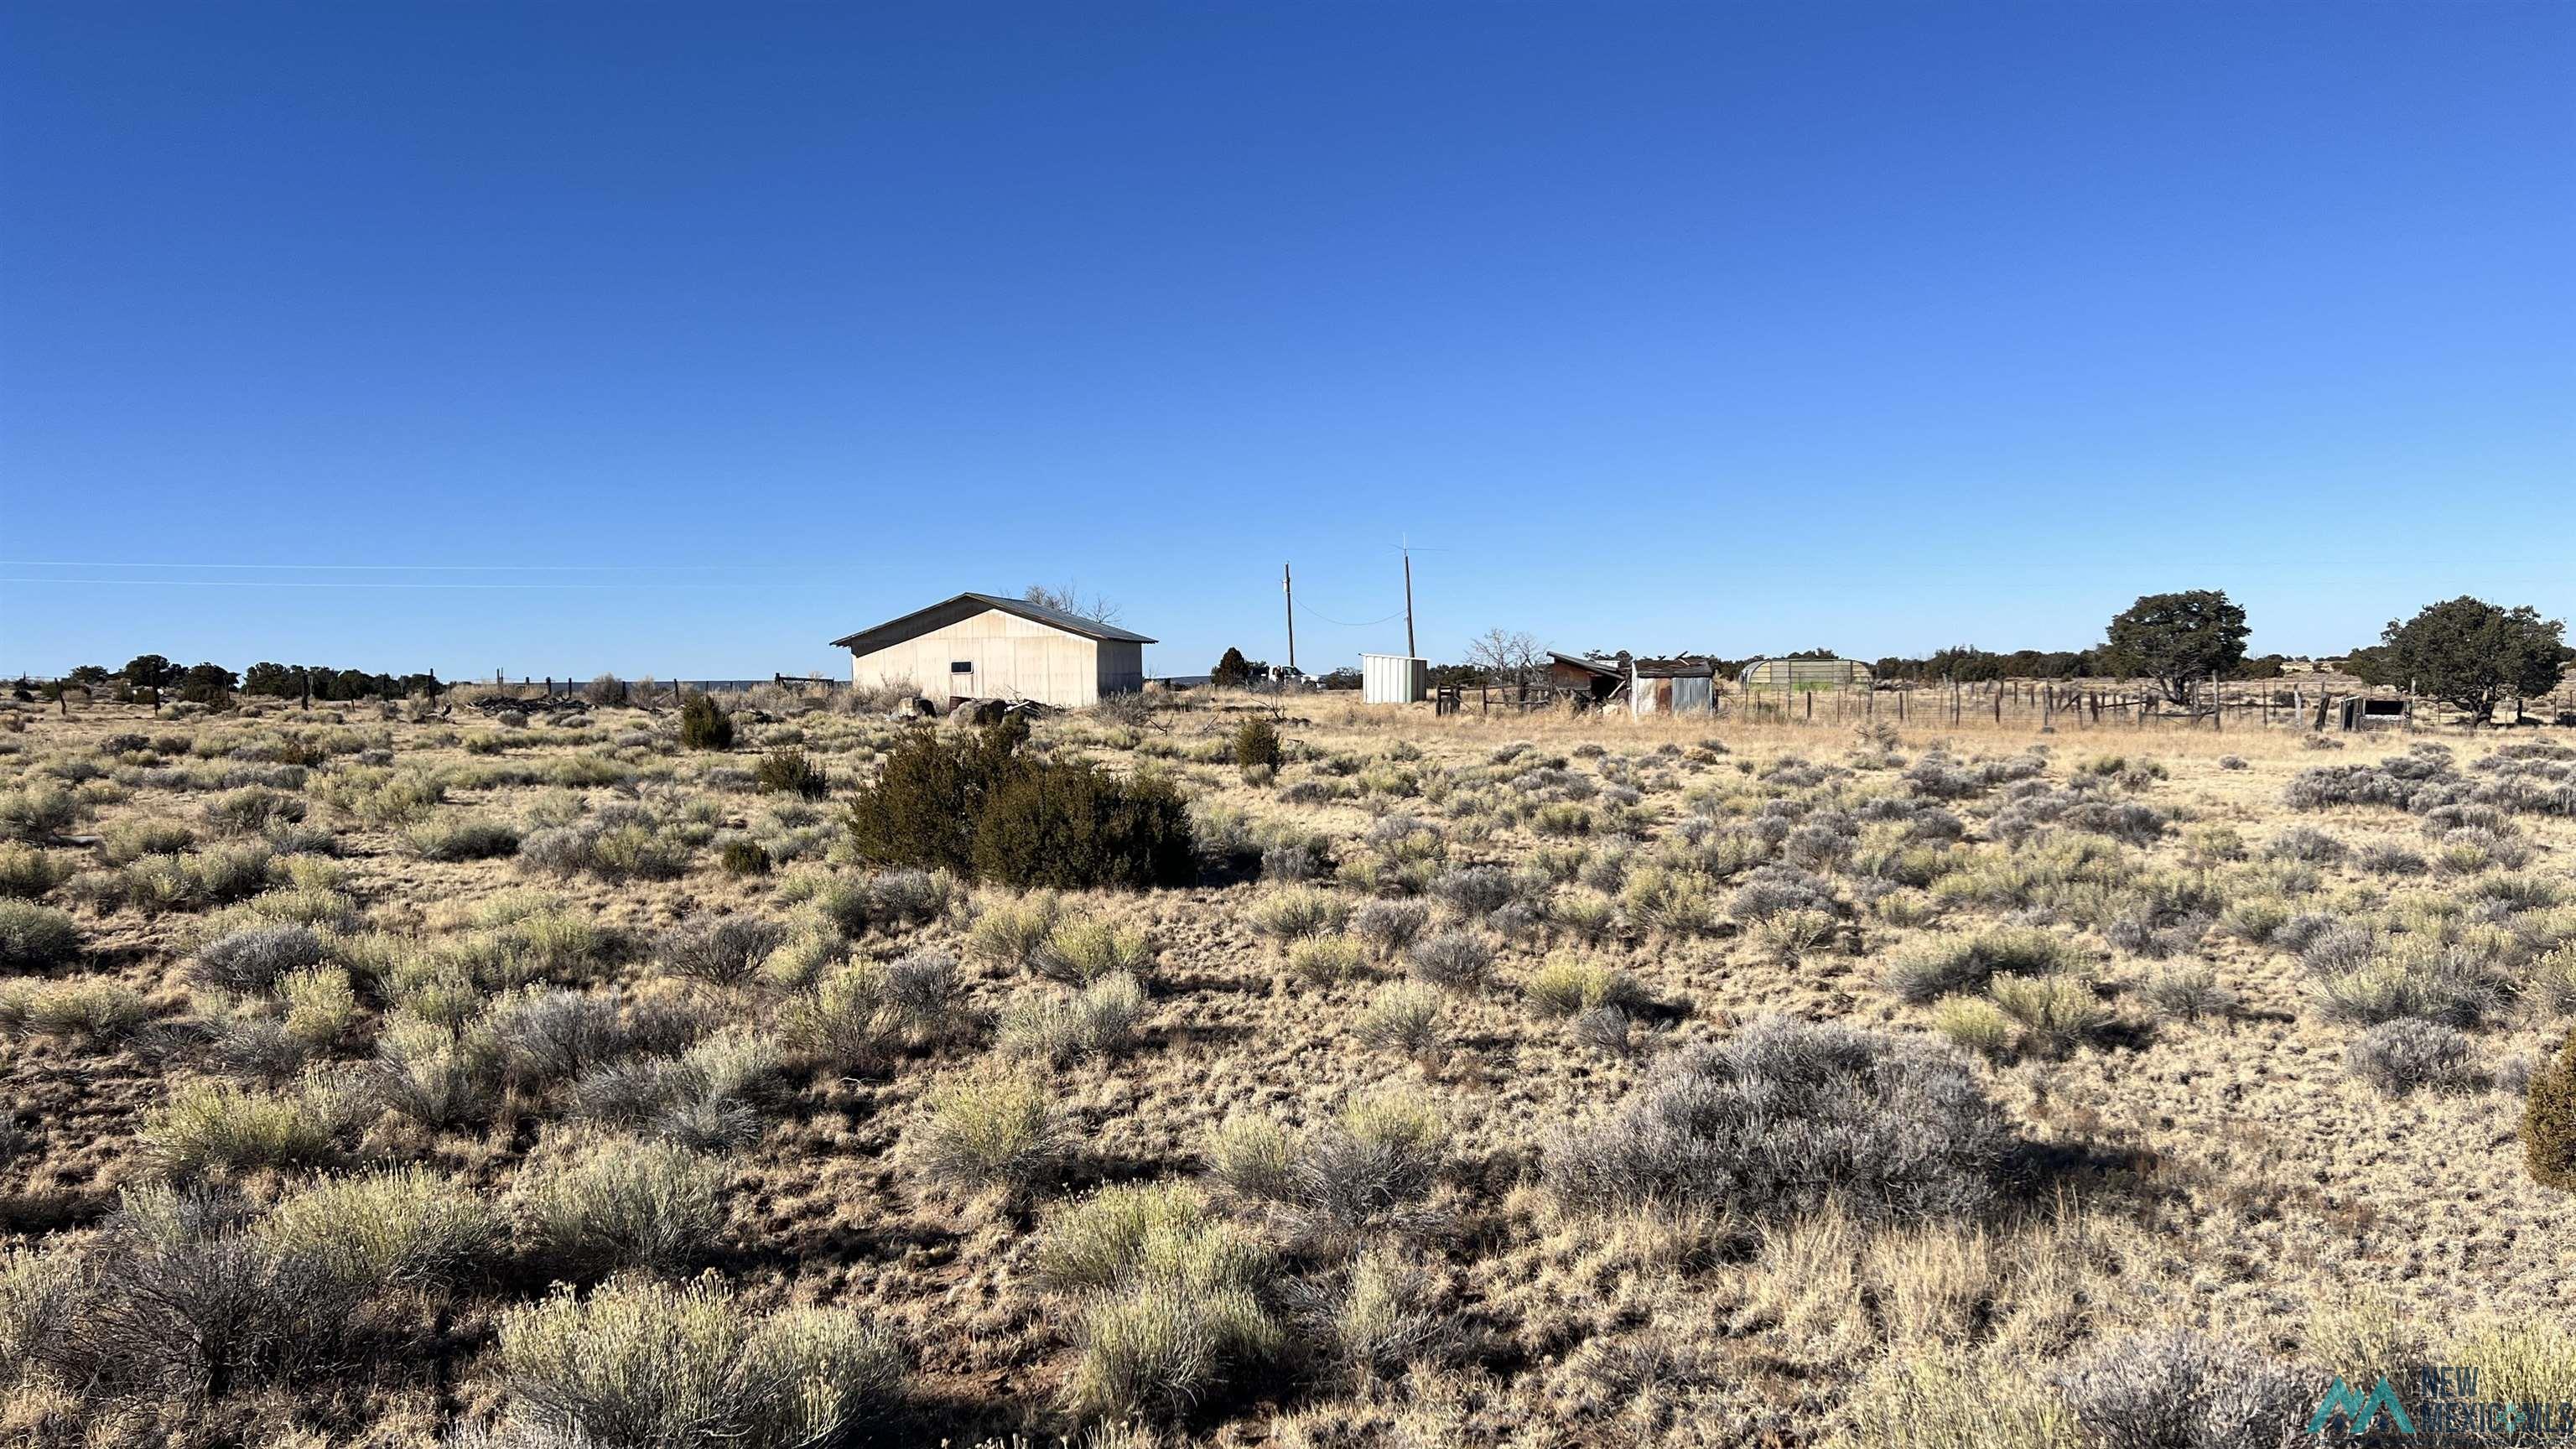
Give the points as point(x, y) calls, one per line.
point(724, 951)
point(182, 1298)
point(1008, 932)
point(2180, 1389)
point(648, 1365)
point(464, 838)
point(2406, 1055)
point(37, 812)
point(859, 1017)
point(2186, 993)
point(1082, 951)
point(322, 1007)
point(1098, 1020)
point(1323, 960)
point(34, 937)
point(1299, 911)
point(1942, 966)
point(1567, 984)
point(2055, 1013)
point(397, 1227)
point(1975, 1024)
point(251, 810)
point(624, 1203)
point(1403, 1017)
point(1167, 1296)
point(1390, 926)
point(211, 1127)
point(1775, 1119)
point(83, 1009)
point(27, 872)
point(991, 1130)
point(1371, 1170)
point(1453, 960)
point(1379, 1317)
point(704, 725)
point(253, 959)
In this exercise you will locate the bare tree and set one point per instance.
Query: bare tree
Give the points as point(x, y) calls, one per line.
point(1506, 657)
point(1068, 598)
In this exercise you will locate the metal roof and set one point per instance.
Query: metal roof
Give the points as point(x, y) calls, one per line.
point(1605, 667)
point(969, 604)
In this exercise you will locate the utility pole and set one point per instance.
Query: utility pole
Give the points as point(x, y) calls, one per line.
point(1288, 587)
point(1408, 604)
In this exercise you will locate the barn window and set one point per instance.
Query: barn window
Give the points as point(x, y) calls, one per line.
point(961, 666)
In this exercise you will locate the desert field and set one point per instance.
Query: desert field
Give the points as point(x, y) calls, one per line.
point(373, 1079)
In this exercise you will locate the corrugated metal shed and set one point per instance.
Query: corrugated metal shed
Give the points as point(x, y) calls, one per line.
point(1802, 673)
point(1394, 679)
point(1671, 686)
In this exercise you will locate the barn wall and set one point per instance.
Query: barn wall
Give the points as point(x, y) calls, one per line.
point(1010, 658)
point(1122, 666)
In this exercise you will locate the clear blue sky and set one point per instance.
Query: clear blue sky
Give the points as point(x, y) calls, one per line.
point(1721, 326)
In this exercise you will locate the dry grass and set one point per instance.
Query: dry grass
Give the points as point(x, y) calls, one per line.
point(1261, 1160)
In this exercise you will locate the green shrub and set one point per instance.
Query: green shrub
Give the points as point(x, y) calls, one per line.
point(1298, 912)
point(1404, 1017)
point(1083, 951)
point(1009, 933)
point(27, 872)
point(1324, 960)
point(646, 1365)
point(624, 1203)
point(211, 1127)
point(33, 937)
point(703, 726)
point(83, 1009)
point(741, 855)
point(1566, 984)
point(465, 839)
point(973, 803)
point(793, 772)
point(1256, 744)
point(1940, 967)
point(991, 1129)
point(1098, 1020)
point(1073, 827)
point(1974, 1024)
point(2054, 1012)
point(931, 789)
point(399, 1227)
point(2549, 1122)
point(1168, 1298)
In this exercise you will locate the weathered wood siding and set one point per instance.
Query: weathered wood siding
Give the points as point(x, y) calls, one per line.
point(1007, 657)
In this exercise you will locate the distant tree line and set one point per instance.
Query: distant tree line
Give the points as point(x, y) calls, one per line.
point(154, 676)
point(2464, 651)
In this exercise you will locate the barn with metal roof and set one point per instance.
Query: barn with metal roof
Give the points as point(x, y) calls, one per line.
point(992, 646)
